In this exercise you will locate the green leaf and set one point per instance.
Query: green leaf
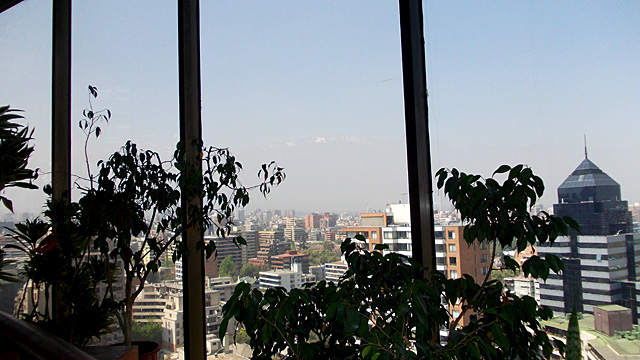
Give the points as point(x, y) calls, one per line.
point(500, 337)
point(7, 203)
point(572, 223)
point(554, 262)
point(367, 350)
point(352, 321)
point(381, 247)
point(472, 347)
point(509, 263)
point(502, 169)
point(223, 327)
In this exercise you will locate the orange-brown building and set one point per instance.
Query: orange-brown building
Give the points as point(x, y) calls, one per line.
point(462, 258)
point(371, 225)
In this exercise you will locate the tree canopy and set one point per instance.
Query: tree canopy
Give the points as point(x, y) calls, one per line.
point(227, 267)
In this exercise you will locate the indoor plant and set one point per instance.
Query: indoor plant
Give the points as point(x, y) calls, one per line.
point(390, 307)
point(15, 151)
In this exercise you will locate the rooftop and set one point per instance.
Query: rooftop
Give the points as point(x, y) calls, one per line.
point(611, 347)
point(613, 307)
point(588, 174)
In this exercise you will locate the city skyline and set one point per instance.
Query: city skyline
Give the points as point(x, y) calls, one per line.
point(317, 86)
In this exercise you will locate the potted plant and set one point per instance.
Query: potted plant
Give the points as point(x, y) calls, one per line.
point(135, 211)
point(52, 258)
point(59, 254)
point(15, 152)
point(127, 217)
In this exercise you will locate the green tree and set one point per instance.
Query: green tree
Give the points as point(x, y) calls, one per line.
point(574, 345)
point(501, 274)
point(227, 267)
point(321, 256)
point(328, 245)
point(151, 331)
point(248, 269)
point(241, 337)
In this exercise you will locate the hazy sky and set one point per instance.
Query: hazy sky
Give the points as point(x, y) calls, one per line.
point(317, 86)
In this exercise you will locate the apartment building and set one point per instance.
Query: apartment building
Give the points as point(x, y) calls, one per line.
point(289, 279)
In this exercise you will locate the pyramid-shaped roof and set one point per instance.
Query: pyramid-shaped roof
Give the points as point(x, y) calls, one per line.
point(588, 183)
point(587, 174)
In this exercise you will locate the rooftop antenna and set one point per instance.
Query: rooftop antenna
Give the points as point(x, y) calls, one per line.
point(585, 146)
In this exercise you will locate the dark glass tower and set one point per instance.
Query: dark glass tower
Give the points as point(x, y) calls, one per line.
point(600, 260)
point(593, 199)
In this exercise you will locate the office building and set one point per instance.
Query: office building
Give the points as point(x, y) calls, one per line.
point(600, 261)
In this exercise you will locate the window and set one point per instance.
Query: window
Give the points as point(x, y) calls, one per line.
point(484, 258)
point(453, 261)
point(452, 248)
point(451, 234)
point(453, 274)
point(401, 247)
point(475, 259)
point(485, 270)
point(483, 245)
point(388, 235)
point(374, 235)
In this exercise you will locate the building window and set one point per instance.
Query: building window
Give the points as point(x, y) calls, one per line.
point(475, 259)
point(453, 261)
point(485, 270)
point(388, 235)
point(452, 248)
point(453, 274)
point(451, 234)
point(484, 258)
point(483, 245)
point(374, 235)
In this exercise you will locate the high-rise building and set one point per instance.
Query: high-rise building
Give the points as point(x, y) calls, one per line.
point(593, 199)
point(312, 221)
point(173, 332)
point(294, 230)
point(600, 260)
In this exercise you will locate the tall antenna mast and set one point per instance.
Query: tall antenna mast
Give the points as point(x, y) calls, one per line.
point(585, 146)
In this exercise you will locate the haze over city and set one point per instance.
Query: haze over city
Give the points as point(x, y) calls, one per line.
point(317, 86)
